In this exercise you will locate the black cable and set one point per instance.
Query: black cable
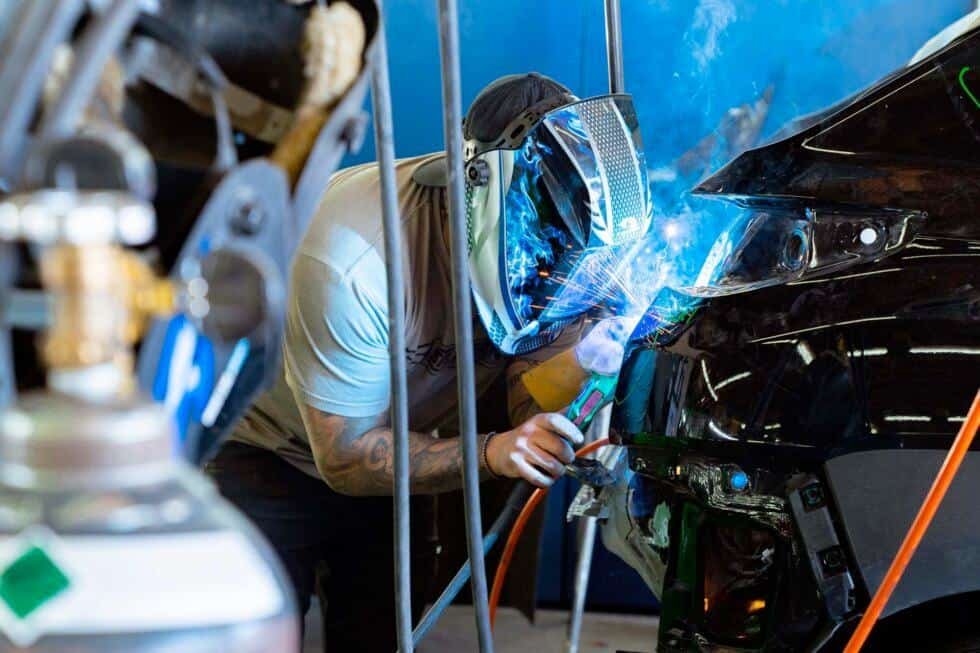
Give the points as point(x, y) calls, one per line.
point(226, 157)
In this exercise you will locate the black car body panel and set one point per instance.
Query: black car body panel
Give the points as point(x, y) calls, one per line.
point(878, 492)
point(783, 438)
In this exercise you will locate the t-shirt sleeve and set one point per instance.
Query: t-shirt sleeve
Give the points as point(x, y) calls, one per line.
point(335, 350)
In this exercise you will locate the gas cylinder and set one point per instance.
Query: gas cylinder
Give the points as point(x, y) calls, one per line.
point(109, 543)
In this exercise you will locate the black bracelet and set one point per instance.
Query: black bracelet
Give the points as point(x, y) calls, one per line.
point(483, 454)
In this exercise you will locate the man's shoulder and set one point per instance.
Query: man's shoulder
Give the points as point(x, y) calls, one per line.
point(346, 231)
point(353, 196)
point(354, 181)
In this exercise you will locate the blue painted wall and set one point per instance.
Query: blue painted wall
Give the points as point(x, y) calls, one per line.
point(687, 63)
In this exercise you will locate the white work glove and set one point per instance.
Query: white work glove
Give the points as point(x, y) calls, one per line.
point(601, 351)
point(536, 451)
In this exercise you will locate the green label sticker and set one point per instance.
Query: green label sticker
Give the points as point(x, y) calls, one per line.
point(30, 581)
point(33, 582)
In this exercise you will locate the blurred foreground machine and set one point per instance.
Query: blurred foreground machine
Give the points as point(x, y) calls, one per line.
point(156, 171)
point(782, 441)
point(111, 542)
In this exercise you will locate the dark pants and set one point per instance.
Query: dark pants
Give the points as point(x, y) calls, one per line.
point(336, 545)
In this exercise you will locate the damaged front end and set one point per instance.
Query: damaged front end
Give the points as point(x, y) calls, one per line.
point(780, 437)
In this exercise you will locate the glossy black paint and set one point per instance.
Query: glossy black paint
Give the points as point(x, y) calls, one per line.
point(795, 378)
point(910, 141)
point(880, 353)
point(856, 361)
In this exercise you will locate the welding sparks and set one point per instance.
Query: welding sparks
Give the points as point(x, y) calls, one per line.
point(657, 282)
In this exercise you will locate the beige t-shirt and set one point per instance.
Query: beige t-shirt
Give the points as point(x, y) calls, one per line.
point(335, 350)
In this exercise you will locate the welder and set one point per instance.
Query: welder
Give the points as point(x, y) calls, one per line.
point(311, 462)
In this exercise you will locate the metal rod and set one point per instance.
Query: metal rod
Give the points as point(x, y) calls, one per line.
point(587, 531)
point(583, 567)
point(8, 384)
point(614, 46)
point(28, 49)
point(600, 427)
point(384, 143)
point(226, 156)
point(515, 501)
point(466, 384)
point(98, 44)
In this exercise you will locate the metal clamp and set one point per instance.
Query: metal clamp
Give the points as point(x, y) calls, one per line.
point(828, 561)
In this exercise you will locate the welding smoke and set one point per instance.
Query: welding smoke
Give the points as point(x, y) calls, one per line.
point(722, 88)
point(702, 100)
point(711, 17)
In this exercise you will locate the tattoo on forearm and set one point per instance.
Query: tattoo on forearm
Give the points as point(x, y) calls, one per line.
point(356, 456)
point(380, 453)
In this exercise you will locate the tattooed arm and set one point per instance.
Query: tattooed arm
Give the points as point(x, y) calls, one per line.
point(356, 455)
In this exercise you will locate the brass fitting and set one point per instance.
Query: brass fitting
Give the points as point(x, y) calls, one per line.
point(103, 297)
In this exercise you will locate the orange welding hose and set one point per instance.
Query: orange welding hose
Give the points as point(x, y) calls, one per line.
point(918, 529)
point(518, 530)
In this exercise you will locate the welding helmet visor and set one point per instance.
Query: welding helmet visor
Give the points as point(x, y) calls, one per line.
point(549, 206)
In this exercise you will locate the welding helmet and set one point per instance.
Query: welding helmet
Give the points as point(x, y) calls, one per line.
point(549, 206)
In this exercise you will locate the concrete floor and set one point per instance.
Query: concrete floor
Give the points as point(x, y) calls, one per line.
point(456, 633)
point(601, 633)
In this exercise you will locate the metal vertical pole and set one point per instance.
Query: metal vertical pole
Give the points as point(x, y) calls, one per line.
point(385, 148)
point(466, 383)
point(614, 46)
point(586, 545)
point(600, 428)
point(583, 568)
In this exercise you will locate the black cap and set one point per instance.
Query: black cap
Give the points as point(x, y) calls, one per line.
point(504, 99)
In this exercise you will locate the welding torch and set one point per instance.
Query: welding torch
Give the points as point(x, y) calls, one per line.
point(611, 341)
point(597, 391)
